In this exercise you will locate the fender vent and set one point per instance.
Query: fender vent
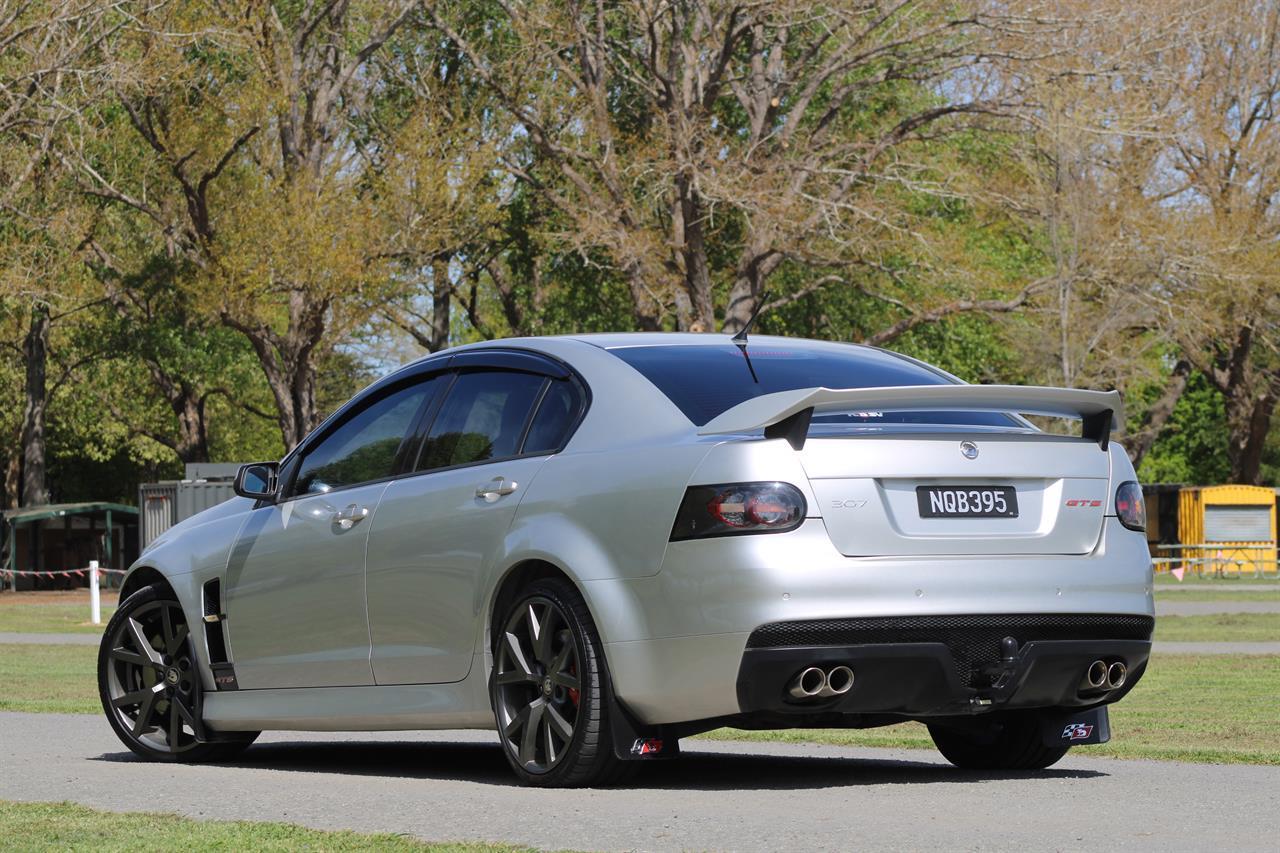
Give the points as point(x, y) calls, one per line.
point(215, 640)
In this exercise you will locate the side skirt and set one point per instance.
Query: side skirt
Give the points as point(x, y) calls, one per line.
point(401, 707)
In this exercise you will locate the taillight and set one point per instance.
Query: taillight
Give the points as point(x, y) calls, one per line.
point(1130, 508)
point(728, 509)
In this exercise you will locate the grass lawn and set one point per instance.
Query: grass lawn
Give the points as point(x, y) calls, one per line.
point(1166, 593)
point(1213, 708)
point(52, 618)
point(49, 679)
point(1220, 627)
point(1225, 581)
point(66, 826)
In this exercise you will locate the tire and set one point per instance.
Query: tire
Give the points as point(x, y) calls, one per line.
point(551, 697)
point(149, 682)
point(1013, 742)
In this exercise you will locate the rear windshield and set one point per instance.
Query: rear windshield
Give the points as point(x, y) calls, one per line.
point(705, 381)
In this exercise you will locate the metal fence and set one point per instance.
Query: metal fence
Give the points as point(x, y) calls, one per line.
point(1214, 559)
point(166, 503)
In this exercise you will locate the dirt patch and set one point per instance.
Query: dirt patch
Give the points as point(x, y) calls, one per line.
point(56, 596)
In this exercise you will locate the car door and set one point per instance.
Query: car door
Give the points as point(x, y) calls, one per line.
point(438, 533)
point(295, 582)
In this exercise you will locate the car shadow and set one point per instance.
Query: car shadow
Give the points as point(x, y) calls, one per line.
point(483, 763)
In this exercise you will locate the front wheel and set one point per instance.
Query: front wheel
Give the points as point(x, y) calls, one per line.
point(1013, 742)
point(550, 692)
point(149, 682)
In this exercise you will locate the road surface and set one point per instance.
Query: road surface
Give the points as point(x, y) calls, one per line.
point(718, 796)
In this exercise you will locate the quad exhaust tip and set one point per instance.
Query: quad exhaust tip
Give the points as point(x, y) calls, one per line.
point(1095, 677)
point(1103, 676)
point(808, 683)
point(839, 681)
point(815, 683)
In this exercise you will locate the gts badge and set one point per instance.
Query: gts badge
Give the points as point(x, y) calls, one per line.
point(848, 504)
point(1083, 503)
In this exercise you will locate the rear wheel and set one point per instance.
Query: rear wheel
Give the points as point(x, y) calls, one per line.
point(149, 682)
point(550, 692)
point(1013, 742)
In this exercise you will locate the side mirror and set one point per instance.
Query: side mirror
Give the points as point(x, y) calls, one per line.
point(257, 480)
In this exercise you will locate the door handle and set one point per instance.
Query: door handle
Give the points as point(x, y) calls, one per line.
point(347, 518)
point(496, 488)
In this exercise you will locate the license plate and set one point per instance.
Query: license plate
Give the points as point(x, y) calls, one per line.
point(967, 501)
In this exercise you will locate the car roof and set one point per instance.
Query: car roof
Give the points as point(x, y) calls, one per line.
point(623, 340)
point(620, 340)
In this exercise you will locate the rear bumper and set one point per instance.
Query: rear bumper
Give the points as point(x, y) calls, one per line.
point(676, 641)
point(924, 679)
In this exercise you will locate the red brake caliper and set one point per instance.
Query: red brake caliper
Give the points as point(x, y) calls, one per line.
point(573, 694)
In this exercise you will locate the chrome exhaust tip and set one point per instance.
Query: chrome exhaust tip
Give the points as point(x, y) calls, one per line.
point(1116, 675)
point(1095, 677)
point(839, 681)
point(808, 683)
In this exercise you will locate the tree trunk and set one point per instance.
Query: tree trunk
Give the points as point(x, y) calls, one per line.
point(1153, 421)
point(287, 364)
point(689, 235)
point(441, 293)
point(35, 351)
point(193, 433)
point(1247, 443)
point(12, 481)
point(756, 265)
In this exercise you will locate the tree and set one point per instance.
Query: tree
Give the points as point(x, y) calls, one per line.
point(252, 175)
point(704, 145)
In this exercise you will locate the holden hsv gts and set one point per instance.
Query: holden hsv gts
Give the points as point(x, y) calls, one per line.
point(597, 545)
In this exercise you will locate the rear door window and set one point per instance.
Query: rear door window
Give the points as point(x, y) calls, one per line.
point(557, 413)
point(483, 417)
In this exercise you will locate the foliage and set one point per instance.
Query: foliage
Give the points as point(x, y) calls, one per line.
point(1193, 447)
point(220, 219)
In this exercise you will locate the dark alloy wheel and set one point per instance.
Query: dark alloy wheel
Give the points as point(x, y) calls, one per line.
point(149, 682)
point(1010, 742)
point(549, 692)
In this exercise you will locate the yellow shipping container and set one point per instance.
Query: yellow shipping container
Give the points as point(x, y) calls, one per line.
point(1233, 528)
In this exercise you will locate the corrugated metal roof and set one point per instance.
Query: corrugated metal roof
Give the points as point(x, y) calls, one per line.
point(28, 514)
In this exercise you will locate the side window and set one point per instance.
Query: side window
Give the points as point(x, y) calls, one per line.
point(364, 447)
point(555, 416)
point(483, 417)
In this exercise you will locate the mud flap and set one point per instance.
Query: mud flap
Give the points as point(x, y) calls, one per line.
point(1081, 728)
point(635, 742)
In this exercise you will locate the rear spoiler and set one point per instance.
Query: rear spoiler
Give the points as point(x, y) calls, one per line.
point(786, 414)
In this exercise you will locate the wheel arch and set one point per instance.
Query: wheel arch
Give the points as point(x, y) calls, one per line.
point(141, 576)
point(516, 578)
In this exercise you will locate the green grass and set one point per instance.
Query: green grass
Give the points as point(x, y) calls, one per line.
point(1225, 581)
point(1204, 708)
point(1209, 708)
point(66, 826)
point(1175, 594)
point(49, 679)
point(1220, 627)
point(51, 618)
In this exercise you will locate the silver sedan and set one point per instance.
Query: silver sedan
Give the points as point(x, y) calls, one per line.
point(601, 544)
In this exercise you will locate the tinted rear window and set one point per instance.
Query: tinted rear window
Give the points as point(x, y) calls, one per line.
point(705, 381)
